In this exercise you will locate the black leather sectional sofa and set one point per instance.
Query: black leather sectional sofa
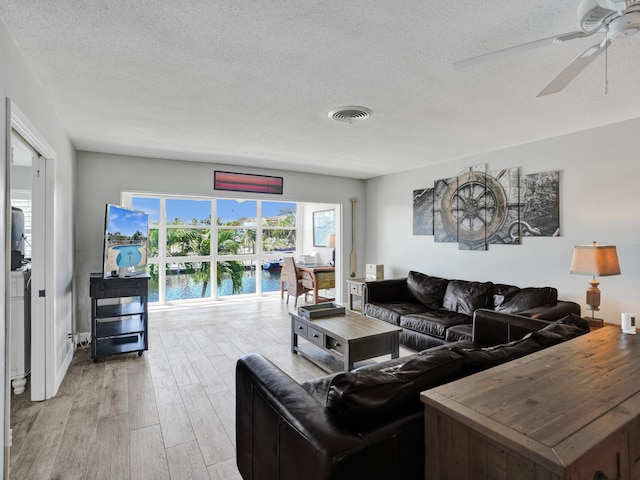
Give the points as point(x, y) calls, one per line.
point(368, 423)
point(434, 311)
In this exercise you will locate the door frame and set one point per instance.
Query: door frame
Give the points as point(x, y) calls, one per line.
point(42, 331)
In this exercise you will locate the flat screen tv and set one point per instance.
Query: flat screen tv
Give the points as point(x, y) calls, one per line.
point(126, 233)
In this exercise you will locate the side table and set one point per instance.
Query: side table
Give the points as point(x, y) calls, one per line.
point(355, 287)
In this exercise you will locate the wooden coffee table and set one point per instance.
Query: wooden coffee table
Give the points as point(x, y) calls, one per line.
point(336, 343)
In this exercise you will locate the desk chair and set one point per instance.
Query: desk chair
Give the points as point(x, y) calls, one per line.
point(294, 281)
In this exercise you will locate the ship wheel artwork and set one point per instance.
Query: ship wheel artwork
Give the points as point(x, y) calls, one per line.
point(478, 208)
point(475, 206)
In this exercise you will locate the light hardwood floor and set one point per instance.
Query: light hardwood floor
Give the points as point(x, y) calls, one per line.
point(166, 415)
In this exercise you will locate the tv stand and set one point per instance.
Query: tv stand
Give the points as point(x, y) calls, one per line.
point(119, 315)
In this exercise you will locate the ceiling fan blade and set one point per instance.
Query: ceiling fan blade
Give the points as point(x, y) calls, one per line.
point(520, 48)
point(576, 66)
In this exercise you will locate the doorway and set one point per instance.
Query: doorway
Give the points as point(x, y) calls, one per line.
point(27, 174)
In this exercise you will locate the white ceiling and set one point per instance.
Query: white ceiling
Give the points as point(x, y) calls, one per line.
point(251, 82)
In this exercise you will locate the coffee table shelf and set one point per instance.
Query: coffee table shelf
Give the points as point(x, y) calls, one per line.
point(342, 342)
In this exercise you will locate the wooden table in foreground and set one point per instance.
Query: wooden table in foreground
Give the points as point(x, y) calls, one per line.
point(571, 411)
point(336, 343)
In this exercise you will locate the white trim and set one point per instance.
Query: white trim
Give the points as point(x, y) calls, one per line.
point(21, 124)
point(5, 401)
point(44, 384)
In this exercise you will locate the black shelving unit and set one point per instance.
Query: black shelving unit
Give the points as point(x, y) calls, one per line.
point(119, 315)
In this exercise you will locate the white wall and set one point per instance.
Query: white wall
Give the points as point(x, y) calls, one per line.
point(18, 83)
point(21, 178)
point(102, 178)
point(599, 199)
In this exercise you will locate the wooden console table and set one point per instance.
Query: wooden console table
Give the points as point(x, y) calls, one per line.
point(571, 411)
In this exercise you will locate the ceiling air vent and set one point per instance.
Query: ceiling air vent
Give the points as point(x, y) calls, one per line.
point(350, 114)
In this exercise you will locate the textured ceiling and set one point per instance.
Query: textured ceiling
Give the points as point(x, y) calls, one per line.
point(251, 82)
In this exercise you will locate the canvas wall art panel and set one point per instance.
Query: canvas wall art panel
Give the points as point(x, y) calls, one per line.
point(503, 187)
point(423, 211)
point(445, 226)
point(540, 211)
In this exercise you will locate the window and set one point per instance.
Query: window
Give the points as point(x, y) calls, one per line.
point(246, 244)
point(278, 227)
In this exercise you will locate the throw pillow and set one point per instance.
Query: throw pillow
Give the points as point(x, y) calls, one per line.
point(466, 297)
point(369, 397)
point(318, 387)
point(516, 300)
point(427, 290)
point(569, 327)
point(560, 331)
point(478, 359)
point(545, 338)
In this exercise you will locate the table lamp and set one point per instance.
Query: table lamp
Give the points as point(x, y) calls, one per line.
point(594, 260)
point(331, 243)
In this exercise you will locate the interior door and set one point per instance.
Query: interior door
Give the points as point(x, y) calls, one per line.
point(38, 281)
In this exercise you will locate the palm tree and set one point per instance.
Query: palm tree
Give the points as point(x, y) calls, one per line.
point(197, 242)
point(232, 269)
point(229, 243)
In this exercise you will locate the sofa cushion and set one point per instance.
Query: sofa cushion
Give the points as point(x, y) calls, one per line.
point(459, 332)
point(391, 312)
point(433, 322)
point(428, 290)
point(465, 297)
point(514, 299)
point(370, 397)
point(478, 359)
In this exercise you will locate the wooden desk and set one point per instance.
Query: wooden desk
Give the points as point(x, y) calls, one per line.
point(566, 412)
point(317, 277)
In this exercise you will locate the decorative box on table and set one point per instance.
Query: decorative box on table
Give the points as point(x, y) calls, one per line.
point(374, 272)
point(328, 309)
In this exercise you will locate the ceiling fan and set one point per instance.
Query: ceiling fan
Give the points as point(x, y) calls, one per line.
point(615, 18)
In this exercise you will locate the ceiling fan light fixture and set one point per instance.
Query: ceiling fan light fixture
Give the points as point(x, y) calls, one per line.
point(350, 114)
point(591, 16)
point(625, 25)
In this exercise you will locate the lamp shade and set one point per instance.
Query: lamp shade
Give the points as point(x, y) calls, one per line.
point(331, 241)
point(595, 260)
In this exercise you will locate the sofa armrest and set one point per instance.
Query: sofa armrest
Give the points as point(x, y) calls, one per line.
point(274, 415)
point(281, 431)
point(494, 328)
point(552, 312)
point(385, 291)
